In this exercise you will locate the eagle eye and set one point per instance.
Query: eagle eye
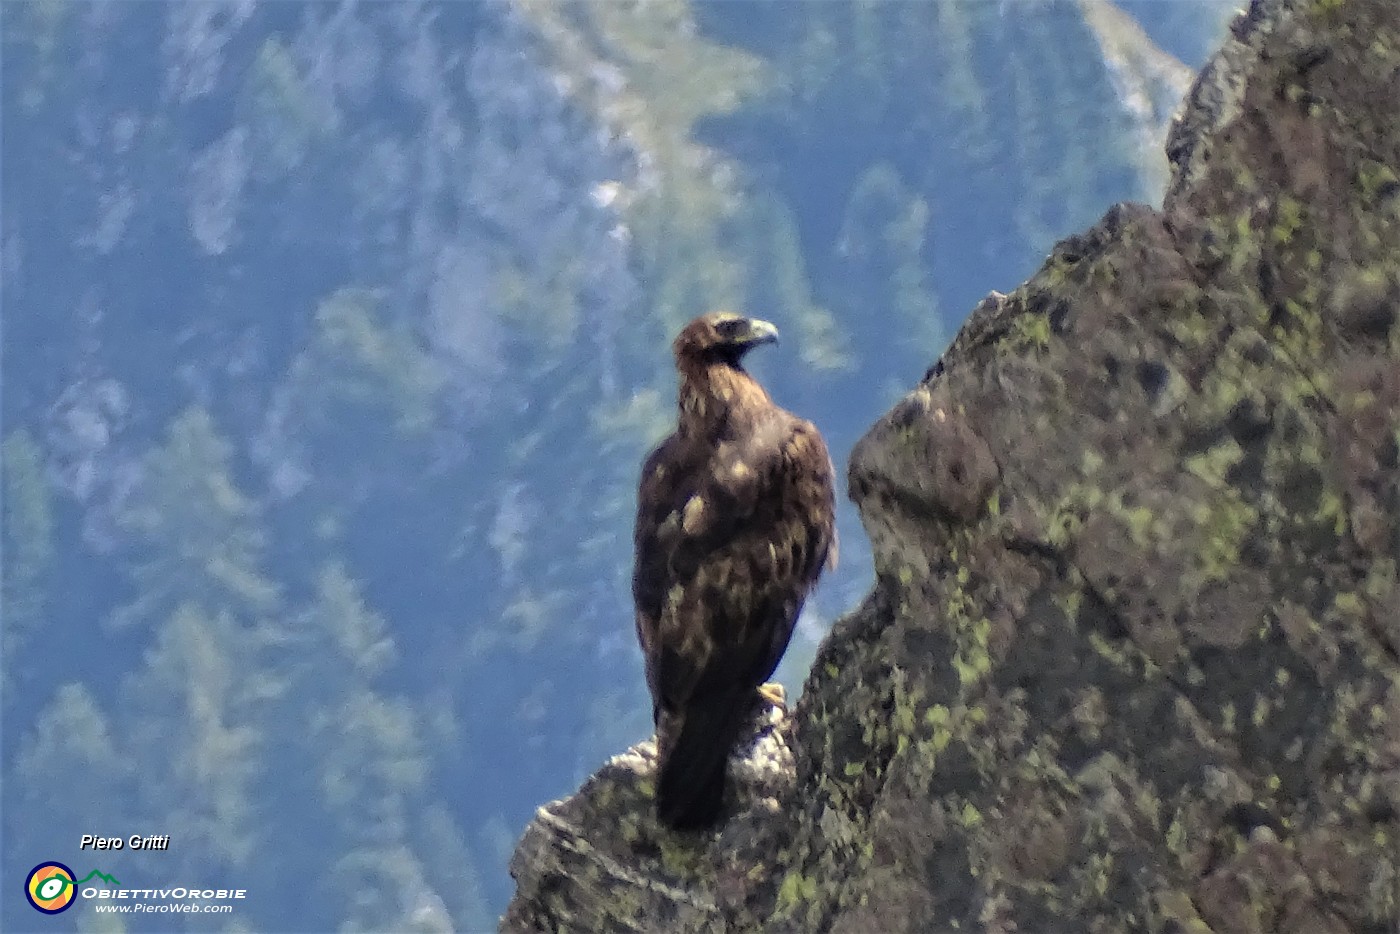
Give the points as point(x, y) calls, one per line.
point(731, 328)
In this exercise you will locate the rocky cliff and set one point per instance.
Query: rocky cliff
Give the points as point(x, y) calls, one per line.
point(1132, 657)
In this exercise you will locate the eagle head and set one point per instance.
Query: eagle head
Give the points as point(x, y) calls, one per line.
point(720, 337)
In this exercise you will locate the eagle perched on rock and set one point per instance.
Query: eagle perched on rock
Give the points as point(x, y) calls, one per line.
point(735, 521)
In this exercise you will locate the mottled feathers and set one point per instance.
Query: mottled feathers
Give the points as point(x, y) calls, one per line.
point(735, 521)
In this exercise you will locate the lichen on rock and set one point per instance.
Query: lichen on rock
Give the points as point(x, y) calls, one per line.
point(1132, 660)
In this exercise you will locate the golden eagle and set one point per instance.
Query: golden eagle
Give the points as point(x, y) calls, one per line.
point(735, 520)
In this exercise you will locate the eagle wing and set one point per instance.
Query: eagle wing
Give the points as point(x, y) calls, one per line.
point(730, 538)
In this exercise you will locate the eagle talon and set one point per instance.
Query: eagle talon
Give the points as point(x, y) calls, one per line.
point(774, 694)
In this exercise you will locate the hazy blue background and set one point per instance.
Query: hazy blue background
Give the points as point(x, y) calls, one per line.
point(334, 334)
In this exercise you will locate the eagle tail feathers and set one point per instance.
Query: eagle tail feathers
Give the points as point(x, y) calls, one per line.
point(690, 786)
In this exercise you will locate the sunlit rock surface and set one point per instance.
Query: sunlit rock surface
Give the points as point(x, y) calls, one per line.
point(1132, 659)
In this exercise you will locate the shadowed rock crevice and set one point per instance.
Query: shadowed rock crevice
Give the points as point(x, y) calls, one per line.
point(1130, 662)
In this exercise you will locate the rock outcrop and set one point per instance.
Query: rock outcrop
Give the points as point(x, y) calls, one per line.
point(1132, 659)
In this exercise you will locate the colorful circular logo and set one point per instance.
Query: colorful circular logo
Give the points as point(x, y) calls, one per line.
point(50, 887)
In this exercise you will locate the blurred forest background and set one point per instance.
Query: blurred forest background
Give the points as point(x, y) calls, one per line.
point(334, 335)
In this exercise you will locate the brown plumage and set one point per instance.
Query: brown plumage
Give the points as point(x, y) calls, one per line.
point(735, 521)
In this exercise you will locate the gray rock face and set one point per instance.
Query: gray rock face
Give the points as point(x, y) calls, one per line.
point(1132, 659)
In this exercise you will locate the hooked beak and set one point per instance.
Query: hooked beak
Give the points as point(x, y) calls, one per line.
point(759, 332)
